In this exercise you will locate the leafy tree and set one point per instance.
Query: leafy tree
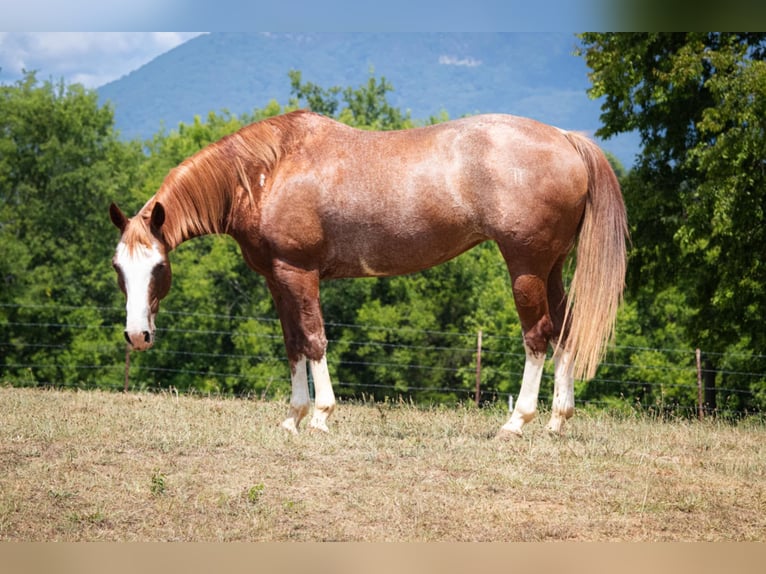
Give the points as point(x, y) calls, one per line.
point(696, 197)
point(320, 100)
point(60, 163)
point(366, 107)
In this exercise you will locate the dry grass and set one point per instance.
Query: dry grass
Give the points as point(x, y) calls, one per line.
point(97, 466)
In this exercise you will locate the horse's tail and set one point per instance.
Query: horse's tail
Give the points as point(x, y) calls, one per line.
point(599, 278)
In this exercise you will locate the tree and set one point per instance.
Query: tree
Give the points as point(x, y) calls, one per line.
point(60, 164)
point(696, 197)
point(416, 334)
point(320, 100)
point(366, 107)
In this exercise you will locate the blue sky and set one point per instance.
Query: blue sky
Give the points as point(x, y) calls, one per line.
point(304, 15)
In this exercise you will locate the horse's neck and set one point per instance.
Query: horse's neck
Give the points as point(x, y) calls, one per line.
point(187, 217)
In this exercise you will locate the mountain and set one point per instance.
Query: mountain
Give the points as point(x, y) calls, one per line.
point(527, 74)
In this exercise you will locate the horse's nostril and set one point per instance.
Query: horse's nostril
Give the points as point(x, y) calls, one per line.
point(127, 337)
point(147, 337)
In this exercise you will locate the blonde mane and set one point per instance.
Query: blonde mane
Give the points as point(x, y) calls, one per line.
point(199, 193)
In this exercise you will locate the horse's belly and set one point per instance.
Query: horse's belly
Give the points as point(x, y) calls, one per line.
point(370, 254)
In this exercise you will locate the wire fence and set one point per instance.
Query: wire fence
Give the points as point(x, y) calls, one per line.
point(82, 347)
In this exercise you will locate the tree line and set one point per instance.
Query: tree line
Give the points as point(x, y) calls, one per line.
point(696, 276)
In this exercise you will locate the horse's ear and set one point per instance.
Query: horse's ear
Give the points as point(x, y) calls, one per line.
point(118, 217)
point(158, 217)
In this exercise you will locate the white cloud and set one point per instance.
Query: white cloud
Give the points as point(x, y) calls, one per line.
point(90, 58)
point(454, 61)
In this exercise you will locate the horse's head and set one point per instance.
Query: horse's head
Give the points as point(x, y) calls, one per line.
point(143, 272)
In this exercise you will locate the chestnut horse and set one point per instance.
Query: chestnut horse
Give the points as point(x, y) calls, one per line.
point(308, 198)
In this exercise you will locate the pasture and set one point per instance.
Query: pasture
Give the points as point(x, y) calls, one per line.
point(96, 466)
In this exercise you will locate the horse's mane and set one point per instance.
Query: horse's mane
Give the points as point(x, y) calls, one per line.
point(198, 194)
point(137, 233)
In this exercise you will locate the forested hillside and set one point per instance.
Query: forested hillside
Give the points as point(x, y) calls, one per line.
point(457, 72)
point(696, 278)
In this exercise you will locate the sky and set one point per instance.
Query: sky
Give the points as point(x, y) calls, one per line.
point(90, 58)
point(309, 15)
point(389, 16)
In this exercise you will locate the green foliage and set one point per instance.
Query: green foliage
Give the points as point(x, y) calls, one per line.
point(60, 164)
point(417, 333)
point(696, 199)
point(365, 107)
point(255, 492)
point(158, 485)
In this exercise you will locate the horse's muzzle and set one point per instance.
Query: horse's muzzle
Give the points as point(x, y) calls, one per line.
point(140, 341)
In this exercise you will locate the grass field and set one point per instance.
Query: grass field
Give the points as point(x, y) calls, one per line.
point(85, 466)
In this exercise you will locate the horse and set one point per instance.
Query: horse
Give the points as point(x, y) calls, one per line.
point(310, 199)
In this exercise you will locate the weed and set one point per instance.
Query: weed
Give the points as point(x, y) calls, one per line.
point(159, 483)
point(254, 493)
point(94, 518)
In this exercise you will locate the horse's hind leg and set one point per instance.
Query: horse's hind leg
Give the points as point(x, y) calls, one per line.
point(563, 392)
point(530, 295)
point(563, 389)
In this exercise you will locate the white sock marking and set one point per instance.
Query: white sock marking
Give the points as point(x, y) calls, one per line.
point(324, 398)
point(526, 402)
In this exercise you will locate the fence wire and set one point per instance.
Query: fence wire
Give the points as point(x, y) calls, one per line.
point(36, 350)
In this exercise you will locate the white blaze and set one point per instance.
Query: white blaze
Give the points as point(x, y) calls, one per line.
point(136, 267)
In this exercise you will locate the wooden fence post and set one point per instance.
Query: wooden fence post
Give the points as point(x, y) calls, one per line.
point(477, 397)
point(127, 367)
point(700, 394)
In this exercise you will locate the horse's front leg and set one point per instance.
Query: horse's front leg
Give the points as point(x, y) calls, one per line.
point(299, 396)
point(296, 295)
point(324, 397)
point(324, 401)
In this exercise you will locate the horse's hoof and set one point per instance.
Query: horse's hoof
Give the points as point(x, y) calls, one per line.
point(289, 426)
point(316, 428)
point(556, 425)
